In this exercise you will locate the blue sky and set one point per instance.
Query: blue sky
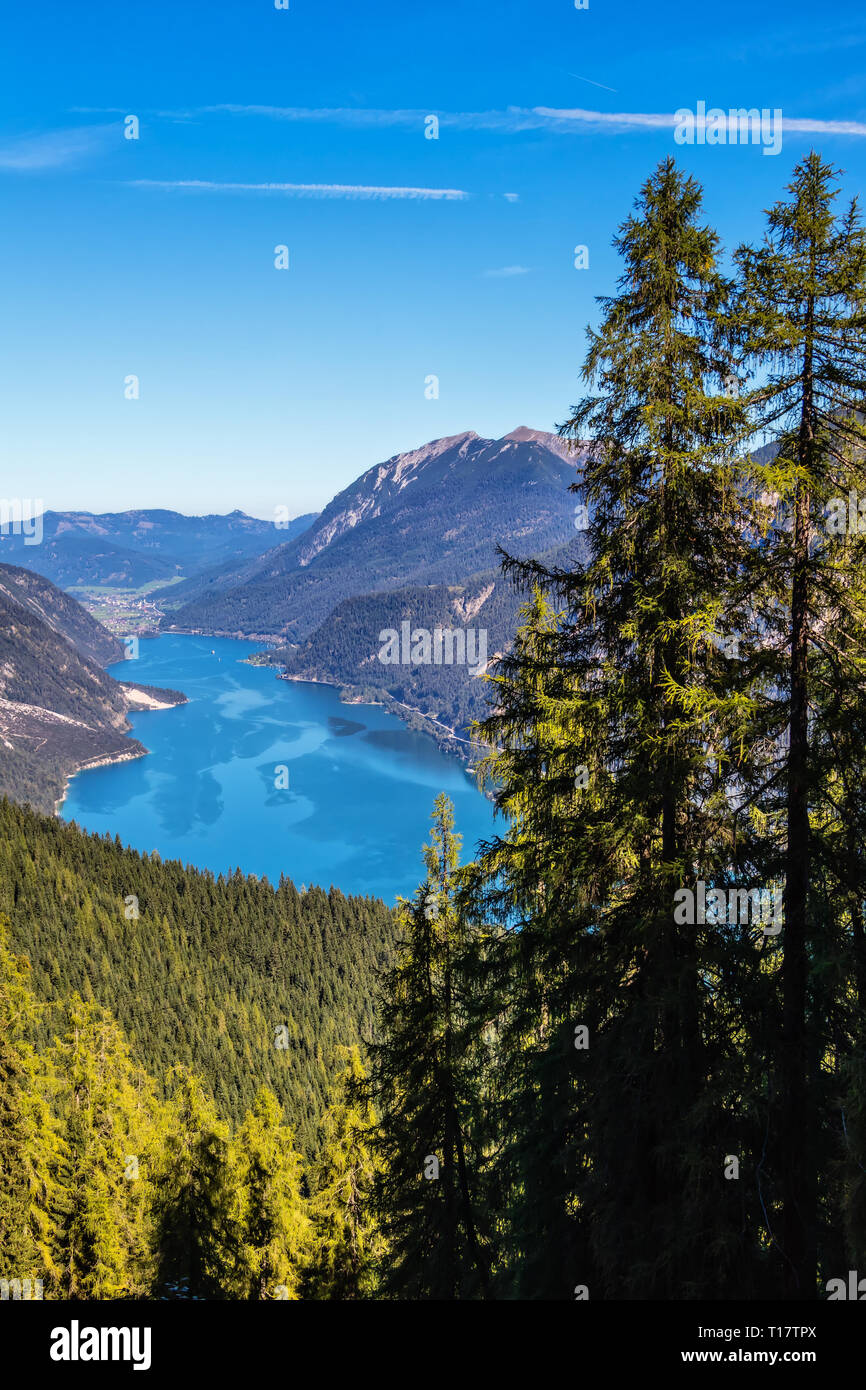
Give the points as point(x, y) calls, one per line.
point(262, 388)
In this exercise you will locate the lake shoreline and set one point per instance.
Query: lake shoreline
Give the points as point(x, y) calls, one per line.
point(442, 735)
point(446, 739)
point(138, 699)
point(106, 760)
point(274, 779)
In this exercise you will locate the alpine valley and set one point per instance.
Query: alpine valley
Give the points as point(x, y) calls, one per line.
point(415, 539)
point(288, 1008)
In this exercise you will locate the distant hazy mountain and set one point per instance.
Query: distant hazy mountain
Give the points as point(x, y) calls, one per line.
point(58, 709)
point(434, 515)
point(129, 549)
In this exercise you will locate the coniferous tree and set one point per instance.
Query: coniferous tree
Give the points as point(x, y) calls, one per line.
point(274, 1229)
point(30, 1145)
point(347, 1245)
point(616, 715)
point(106, 1111)
point(802, 317)
point(197, 1197)
point(17, 1008)
point(427, 1138)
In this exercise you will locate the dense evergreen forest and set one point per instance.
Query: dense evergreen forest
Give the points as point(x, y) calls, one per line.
point(620, 1053)
point(245, 983)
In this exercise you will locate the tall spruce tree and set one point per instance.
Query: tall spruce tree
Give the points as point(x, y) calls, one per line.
point(428, 1135)
point(802, 316)
point(615, 718)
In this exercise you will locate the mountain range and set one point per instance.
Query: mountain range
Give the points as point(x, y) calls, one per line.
point(413, 542)
point(415, 539)
point(131, 549)
point(434, 515)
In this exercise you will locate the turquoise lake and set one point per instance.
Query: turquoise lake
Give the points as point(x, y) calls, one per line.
point(361, 786)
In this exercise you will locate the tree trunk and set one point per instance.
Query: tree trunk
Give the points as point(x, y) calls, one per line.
point(796, 1137)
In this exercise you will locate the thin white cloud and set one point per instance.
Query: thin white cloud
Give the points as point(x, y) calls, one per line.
point(570, 117)
point(343, 115)
point(807, 127)
point(795, 124)
point(54, 148)
point(306, 190)
point(512, 119)
point(505, 272)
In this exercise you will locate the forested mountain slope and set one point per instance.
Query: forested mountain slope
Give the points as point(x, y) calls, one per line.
point(484, 609)
point(59, 711)
point(57, 610)
point(197, 970)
